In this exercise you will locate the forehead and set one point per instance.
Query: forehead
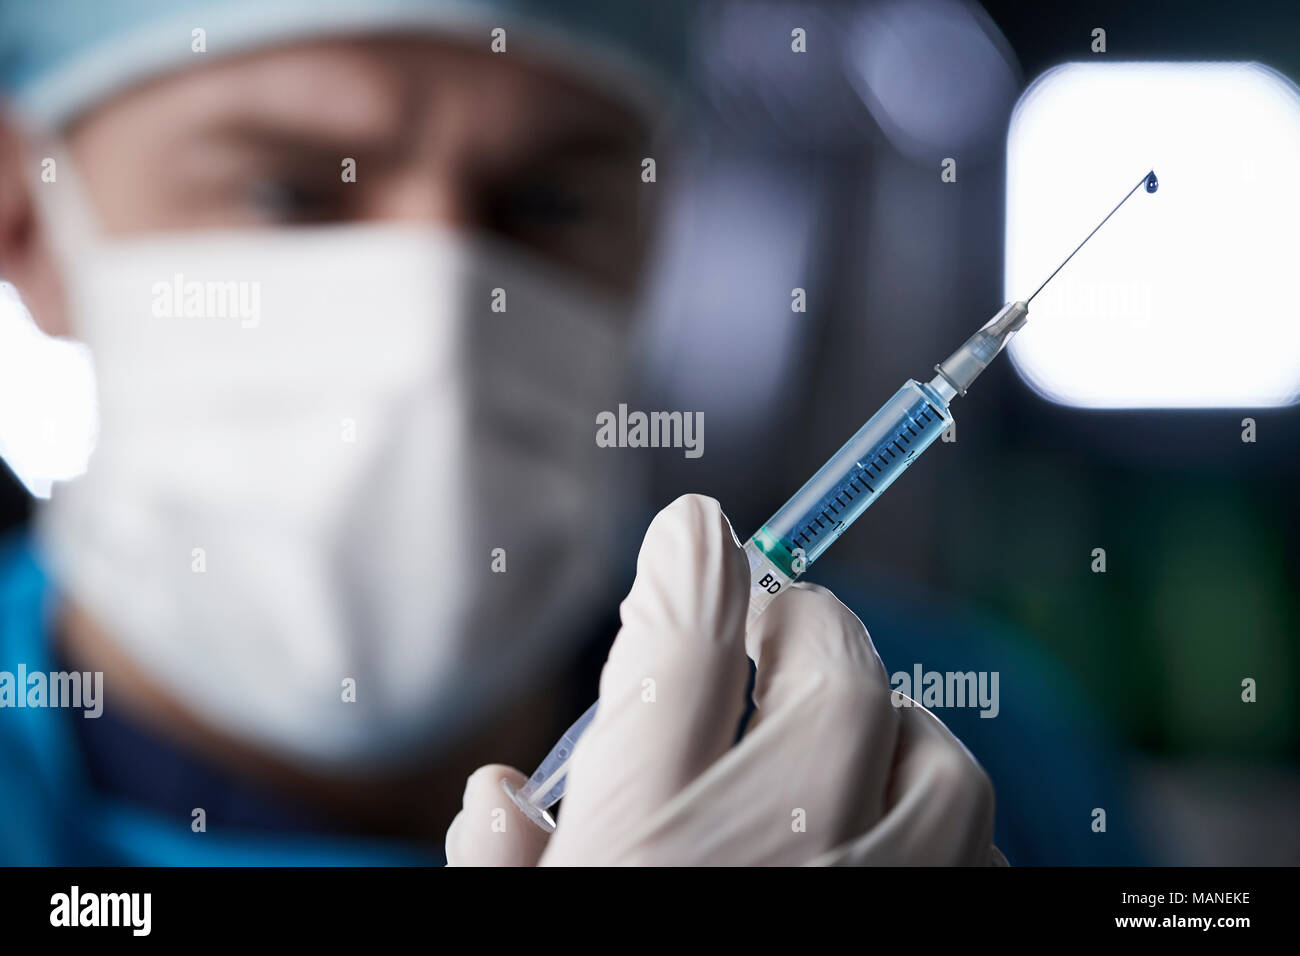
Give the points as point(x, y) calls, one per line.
point(372, 91)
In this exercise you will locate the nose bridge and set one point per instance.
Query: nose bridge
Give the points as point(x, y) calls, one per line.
point(436, 181)
point(438, 193)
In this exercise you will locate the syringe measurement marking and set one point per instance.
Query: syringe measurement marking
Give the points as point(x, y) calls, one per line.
point(808, 532)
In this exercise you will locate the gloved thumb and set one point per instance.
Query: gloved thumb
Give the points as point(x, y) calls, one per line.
point(490, 830)
point(672, 691)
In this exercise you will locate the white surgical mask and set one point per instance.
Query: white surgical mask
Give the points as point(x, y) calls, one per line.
point(300, 501)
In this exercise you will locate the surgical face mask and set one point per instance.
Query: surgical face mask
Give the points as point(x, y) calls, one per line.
point(346, 496)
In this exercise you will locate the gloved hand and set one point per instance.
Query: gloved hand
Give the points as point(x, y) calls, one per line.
point(829, 770)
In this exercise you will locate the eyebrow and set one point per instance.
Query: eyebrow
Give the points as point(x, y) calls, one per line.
point(275, 136)
point(574, 142)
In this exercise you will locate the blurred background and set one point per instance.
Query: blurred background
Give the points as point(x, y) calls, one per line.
point(1119, 691)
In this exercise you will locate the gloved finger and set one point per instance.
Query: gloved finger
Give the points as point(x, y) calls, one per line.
point(809, 633)
point(490, 830)
point(823, 717)
point(939, 809)
point(672, 690)
point(812, 769)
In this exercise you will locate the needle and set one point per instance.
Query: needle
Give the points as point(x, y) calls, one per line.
point(1151, 183)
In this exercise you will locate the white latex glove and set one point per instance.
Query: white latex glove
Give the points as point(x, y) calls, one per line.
point(829, 770)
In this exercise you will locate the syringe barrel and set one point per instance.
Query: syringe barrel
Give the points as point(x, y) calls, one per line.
point(853, 478)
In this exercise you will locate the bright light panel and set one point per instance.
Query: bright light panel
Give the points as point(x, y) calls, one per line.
point(48, 412)
point(1186, 298)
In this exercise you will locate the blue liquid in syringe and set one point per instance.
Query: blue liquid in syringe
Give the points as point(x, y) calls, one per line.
point(853, 478)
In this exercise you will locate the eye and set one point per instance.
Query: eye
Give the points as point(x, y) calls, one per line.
point(545, 205)
point(282, 200)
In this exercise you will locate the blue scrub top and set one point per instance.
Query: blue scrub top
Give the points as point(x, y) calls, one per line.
point(52, 813)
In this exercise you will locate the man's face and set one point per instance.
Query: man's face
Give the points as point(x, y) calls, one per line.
point(440, 134)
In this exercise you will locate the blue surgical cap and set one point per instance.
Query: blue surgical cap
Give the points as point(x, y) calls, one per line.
point(60, 57)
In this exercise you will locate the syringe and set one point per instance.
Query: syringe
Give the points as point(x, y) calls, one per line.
point(819, 512)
